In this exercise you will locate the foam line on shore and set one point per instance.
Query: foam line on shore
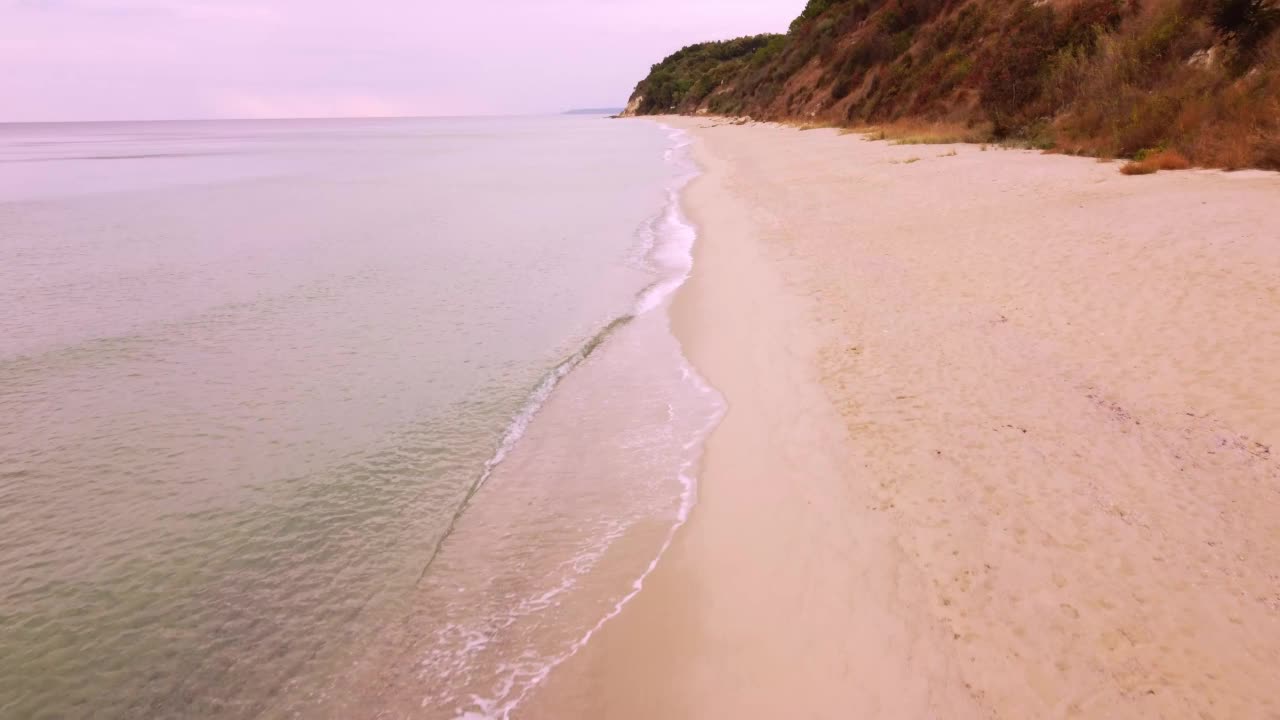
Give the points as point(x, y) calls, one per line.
point(669, 252)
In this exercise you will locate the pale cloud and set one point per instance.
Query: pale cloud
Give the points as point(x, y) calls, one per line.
point(115, 59)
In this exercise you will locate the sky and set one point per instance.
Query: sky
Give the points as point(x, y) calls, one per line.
point(170, 59)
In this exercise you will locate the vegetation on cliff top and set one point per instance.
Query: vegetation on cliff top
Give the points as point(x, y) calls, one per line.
point(1120, 78)
point(687, 76)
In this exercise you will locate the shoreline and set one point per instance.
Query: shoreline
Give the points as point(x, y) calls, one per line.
point(690, 647)
point(998, 443)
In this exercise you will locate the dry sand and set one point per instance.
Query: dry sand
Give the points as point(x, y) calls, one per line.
point(999, 444)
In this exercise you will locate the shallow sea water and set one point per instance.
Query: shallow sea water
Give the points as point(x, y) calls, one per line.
point(332, 418)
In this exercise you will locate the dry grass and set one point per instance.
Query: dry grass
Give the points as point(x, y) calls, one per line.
point(1153, 162)
point(807, 124)
point(866, 133)
point(909, 132)
point(1137, 168)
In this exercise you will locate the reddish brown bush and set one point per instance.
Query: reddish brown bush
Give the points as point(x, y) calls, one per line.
point(1162, 160)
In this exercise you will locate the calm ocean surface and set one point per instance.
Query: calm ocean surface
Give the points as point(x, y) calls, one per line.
point(332, 419)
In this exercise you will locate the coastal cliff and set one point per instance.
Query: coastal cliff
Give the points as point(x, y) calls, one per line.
point(1114, 78)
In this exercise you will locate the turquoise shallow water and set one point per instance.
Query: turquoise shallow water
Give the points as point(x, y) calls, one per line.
point(251, 372)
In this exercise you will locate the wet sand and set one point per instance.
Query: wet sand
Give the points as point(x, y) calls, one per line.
point(999, 444)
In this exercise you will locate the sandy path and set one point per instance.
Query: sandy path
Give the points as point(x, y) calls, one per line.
point(999, 444)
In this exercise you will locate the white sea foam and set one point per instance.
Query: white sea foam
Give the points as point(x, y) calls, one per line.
point(520, 423)
point(520, 680)
point(667, 243)
point(672, 258)
point(670, 252)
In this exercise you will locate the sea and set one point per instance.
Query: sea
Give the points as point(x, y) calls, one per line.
point(333, 418)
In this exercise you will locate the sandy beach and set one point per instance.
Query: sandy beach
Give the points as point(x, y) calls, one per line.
point(1003, 441)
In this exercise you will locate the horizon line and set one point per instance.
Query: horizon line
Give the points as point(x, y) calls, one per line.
point(315, 117)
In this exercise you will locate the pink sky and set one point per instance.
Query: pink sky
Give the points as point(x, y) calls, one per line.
point(153, 59)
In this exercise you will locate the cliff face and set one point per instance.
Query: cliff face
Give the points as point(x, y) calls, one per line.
point(1105, 77)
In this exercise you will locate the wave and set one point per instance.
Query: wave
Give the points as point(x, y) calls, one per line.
point(132, 156)
point(674, 257)
point(516, 428)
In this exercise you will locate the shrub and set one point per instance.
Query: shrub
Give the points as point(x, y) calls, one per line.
point(812, 9)
point(1015, 69)
point(671, 84)
point(1151, 161)
point(1086, 21)
point(1248, 21)
point(1268, 152)
point(1146, 123)
point(842, 88)
point(770, 50)
point(1244, 25)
